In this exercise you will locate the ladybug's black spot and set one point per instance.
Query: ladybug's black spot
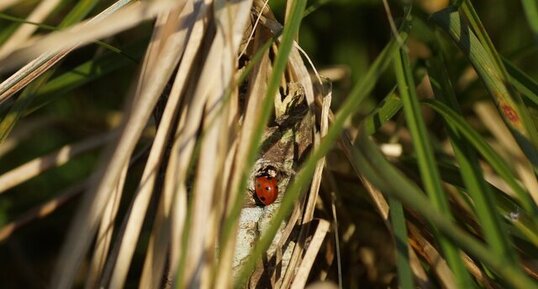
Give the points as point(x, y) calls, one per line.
point(262, 199)
point(259, 185)
point(268, 189)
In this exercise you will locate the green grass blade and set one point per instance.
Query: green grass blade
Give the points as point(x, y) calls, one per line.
point(78, 13)
point(476, 186)
point(397, 219)
point(498, 164)
point(18, 21)
point(426, 161)
point(485, 61)
point(384, 176)
point(527, 135)
point(387, 108)
point(480, 32)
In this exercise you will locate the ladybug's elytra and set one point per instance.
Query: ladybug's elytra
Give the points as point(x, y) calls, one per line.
point(266, 189)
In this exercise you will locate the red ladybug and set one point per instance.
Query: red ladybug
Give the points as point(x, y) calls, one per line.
point(266, 189)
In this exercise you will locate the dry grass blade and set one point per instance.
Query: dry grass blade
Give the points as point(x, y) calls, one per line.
point(378, 198)
point(26, 30)
point(51, 49)
point(135, 217)
point(478, 274)
point(174, 192)
point(104, 234)
point(152, 83)
point(336, 237)
point(37, 166)
point(103, 25)
point(233, 253)
point(174, 181)
point(316, 180)
point(41, 211)
point(301, 276)
point(421, 277)
point(431, 256)
point(215, 79)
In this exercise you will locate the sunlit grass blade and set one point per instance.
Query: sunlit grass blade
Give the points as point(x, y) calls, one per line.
point(152, 81)
point(52, 160)
point(488, 66)
point(426, 160)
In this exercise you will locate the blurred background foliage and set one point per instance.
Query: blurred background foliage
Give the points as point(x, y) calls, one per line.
point(341, 37)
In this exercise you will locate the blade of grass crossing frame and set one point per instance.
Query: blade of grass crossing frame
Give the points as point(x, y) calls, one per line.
point(529, 128)
point(397, 220)
point(386, 177)
point(78, 13)
point(426, 161)
point(470, 170)
point(387, 108)
point(498, 164)
point(489, 67)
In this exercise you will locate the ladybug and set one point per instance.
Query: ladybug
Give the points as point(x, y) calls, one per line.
point(266, 189)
